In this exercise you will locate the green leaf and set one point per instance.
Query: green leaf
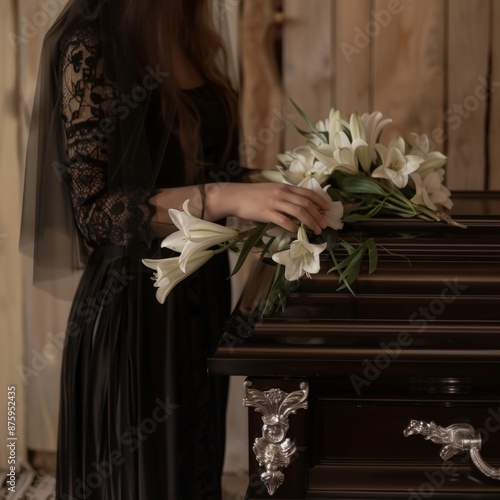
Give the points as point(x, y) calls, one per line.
point(376, 209)
point(350, 249)
point(360, 184)
point(349, 268)
point(279, 292)
point(307, 135)
point(254, 236)
point(303, 133)
point(347, 261)
point(306, 118)
point(345, 284)
point(267, 246)
point(356, 218)
point(349, 276)
point(331, 237)
point(372, 256)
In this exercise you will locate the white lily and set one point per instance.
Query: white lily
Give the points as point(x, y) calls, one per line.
point(359, 137)
point(396, 166)
point(336, 211)
point(347, 153)
point(168, 272)
point(301, 164)
point(433, 160)
point(281, 239)
point(333, 124)
point(301, 258)
point(430, 191)
point(374, 124)
point(195, 234)
point(324, 154)
point(273, 175)
point(340, 154)
point(175, 241)
point(286, 158)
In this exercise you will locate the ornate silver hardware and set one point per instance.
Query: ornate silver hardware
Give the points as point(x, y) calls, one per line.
point(274, 450)
point(455, 438)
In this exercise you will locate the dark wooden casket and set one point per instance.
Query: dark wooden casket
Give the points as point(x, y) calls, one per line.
point(419, 343)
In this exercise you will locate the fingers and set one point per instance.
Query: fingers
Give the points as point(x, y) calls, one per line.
point(303, 205)
point(318, 200)
point(281, 204)
point(305, 212)
point(283, 221)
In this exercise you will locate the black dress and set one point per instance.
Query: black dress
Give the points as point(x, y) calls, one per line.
point(140, 418)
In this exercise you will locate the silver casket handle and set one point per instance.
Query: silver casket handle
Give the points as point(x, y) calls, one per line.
point(455, 439)
point(274, 449)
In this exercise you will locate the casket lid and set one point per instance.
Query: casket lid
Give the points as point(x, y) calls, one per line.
point(437, 286)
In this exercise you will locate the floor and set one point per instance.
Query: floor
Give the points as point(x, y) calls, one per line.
point(37, 482)
point(234, 487)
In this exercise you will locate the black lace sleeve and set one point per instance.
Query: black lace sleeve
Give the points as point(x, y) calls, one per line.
point(103, 217)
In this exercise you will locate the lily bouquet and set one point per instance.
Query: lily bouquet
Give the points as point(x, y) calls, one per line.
point(345, 163)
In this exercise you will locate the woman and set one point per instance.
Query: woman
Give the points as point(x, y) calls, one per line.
point(134, 115)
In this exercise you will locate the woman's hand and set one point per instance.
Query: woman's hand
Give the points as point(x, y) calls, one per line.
point(281, 204)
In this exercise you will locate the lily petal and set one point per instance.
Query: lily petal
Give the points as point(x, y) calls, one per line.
point(301, 258)
point(335, 213)
point(195, 235)
point(168, 273)
point(175, 241)
point(396, 166)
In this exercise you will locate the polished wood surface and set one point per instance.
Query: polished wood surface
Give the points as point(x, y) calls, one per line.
point(420, 340)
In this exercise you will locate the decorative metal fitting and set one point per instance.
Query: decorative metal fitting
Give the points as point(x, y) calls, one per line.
point(456, 438)
point(274, 450)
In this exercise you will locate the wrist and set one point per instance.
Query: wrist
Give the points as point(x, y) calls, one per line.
point(221, 200)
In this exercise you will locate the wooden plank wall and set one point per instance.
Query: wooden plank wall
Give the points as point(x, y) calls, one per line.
point(307, 44)
point(352, 56)
point(430, 65)
point(407, 64)
point(494, 110)
point(11, 334)
point(261, 92)
point(467, 107)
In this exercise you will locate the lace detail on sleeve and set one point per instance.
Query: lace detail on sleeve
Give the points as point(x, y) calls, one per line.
point(103, 217)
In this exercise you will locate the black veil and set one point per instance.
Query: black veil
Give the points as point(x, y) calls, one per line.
point(48, 230)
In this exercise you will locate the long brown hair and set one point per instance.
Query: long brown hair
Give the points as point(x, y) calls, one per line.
point(155, 27)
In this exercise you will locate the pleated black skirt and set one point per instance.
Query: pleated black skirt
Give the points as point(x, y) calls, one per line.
point(140, 417)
